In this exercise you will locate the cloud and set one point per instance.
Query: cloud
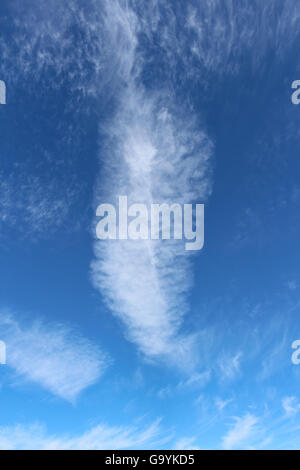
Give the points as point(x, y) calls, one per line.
point(231, 35)
point(52, 356)
point(164, 392)
point(290, 406)
point(31, 206)
point(212, 38)
point(42, 41)
point(230, 366)
point(101, 437)
point(197, 379)
point(185, 443)
point(157, 157)
point(48, 47)
point(221, 404)
point(154, 153)
point(240, 433)
point(108, 46)
point(86, 46)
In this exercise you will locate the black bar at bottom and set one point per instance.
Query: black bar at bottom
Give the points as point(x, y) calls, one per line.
point(141, 459)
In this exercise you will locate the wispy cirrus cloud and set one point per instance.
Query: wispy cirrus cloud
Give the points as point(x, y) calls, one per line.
point(71, 43)
point(197, 380)
point(229, 366)
point(267, 430)
point(210, 37)
point(52, 356)
point(33, 207)
point(154, 154)
point(158, 158)
point(101, 437)
point(47, 48)
point(43, 38)
point(241, 433)
point(221, 404)
point(290, 406)
point(186, 443)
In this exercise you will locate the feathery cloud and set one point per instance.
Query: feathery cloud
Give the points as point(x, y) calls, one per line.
point(157, 157)
point(230, 366)
point(101, 437)
point(154, 154)
point(52, 356)
point(185, 443)
point(240, 433)
point(290, 406)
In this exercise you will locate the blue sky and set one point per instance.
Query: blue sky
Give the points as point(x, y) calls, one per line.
point(130, 345)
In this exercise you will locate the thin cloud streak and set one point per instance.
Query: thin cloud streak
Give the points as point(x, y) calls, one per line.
point(101, 437)
point(241, 432)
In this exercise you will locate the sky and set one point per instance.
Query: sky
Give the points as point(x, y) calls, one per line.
point(140, 344)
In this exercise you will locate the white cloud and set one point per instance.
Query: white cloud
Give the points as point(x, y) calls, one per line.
point(31, 206)
point(197, 379)
point(43, 40)
point(237, 32)
point(108, 40)
point(186, 443)
point(157, 157)
point(101, 437)
point(221, 404)
point(164, 392)
point(230, 366)
point(290, 406)
point(52, 356)
point(155, 153)
point(241, 432)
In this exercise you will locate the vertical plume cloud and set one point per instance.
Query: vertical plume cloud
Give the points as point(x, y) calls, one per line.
point(154, 154)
